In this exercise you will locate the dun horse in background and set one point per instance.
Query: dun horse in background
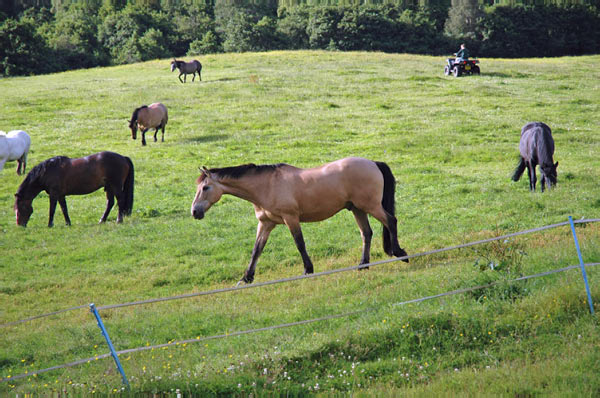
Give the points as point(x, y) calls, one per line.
point(61, 176)
point(186, 68)
point(14, 146)
point(147, 117)
point(284, 194)
point(537, 147)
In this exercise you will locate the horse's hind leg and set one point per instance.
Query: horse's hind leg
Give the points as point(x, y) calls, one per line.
point(262, 234)
point(156, 132)
point(390, 227)
point(162, 139)
point(110, 202)
point(365, 232)
point(293, 223)
point(63, 206)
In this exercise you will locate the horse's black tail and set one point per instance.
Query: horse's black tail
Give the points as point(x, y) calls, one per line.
point(388, 203)
point(128, 188)
point(519, 170)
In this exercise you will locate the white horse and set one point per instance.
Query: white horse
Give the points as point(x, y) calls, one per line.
point(14, 146)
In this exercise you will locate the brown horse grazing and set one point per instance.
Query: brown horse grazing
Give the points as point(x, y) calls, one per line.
point(61, 176)
point(147, 117)
point(186, 68)
point(284, 194)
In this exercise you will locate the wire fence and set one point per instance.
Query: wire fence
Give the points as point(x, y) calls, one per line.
point(115, 353)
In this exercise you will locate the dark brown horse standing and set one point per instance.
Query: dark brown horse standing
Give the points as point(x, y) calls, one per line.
point(186, 68)
point(61, 176)
point(146, 117)
point(537, 147)
point(284, 194)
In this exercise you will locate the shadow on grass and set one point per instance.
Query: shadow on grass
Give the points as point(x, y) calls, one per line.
point(516, 75)
point(208, 138)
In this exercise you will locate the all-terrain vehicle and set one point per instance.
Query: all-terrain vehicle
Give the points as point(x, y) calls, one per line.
point(462, 67)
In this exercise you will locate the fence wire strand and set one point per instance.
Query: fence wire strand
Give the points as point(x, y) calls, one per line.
point(300, 277)
point(287, 325)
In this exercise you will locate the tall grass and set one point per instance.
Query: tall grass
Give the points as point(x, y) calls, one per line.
point(452, 145)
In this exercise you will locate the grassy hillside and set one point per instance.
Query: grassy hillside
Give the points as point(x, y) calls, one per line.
point(452, 145)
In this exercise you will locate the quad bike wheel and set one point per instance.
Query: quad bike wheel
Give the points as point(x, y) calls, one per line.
point(446, 70)
point(456, 71)
point(476, 70)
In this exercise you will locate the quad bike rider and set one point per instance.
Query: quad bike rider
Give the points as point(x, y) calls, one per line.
point(461, 64)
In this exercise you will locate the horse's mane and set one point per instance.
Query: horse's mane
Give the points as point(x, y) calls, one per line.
point(38, 173)
point(240, 171)
point(134, 115)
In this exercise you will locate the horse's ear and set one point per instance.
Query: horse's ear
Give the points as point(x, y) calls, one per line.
point(205, 172)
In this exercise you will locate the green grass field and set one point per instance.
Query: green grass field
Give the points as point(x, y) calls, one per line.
point(452, 144)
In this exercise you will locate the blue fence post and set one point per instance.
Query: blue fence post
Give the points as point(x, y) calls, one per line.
point(585, 280)
point(112, 349)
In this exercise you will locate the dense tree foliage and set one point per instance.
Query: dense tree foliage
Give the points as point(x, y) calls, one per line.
point(79, 34)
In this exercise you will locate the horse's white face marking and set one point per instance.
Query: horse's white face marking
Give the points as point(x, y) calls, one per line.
point(173, 66)
point(208, 193)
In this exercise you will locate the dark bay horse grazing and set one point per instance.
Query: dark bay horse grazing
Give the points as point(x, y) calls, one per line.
point(284, 194)
point(537, 147)
point(186, 68)
point(61, 176)
point(148, 117)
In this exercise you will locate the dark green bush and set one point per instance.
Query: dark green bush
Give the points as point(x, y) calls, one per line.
point(22, 50)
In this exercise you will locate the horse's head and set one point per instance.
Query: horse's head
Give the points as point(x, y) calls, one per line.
point(23, 210)
point(208, 193)
point(549, 172)
point(173, 65)
point(133, 126)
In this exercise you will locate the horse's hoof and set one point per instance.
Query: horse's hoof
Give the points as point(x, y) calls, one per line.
point(362, 268)
point(401, 253)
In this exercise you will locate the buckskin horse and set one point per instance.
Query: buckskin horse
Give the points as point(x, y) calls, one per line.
point(284, 194)
point(61, 176)
point(147, 117)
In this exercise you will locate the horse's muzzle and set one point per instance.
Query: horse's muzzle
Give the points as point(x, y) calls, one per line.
point(198, 213)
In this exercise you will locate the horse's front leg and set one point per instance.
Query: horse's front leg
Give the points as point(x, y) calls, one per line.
point(110, 201)
point(51, 211)
point(63, 207)
point(532, 177)
point(293, 223)
point(181, 73)
point(262, 234)
point(543, 182)
point(144, 136)
point(366, 234)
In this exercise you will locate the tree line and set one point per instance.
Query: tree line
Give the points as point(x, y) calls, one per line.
point(64, 34)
